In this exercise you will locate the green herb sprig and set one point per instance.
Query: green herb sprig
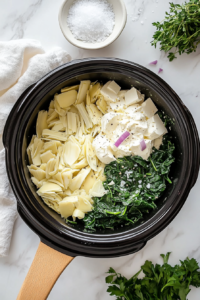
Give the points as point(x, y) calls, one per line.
point(179, 30)
point(160, 282)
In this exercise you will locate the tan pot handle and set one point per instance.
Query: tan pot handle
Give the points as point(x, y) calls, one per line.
point(46, 267)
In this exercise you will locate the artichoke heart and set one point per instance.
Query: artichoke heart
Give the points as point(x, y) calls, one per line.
point(46, 156)
point(78, 214)
point(54, 135)
point(49, 188)
point(62, 162)
point(94, 113)
point(41, 123)
point(91, 156)
point(94, 92)
point(77, 181)
point(70, 88)
point(97, 190)
point(82, 110)
point(67, 206)
point(66, 99)
point(71, 153)
point(83, 204)
point(84, 87)
point(102, 105)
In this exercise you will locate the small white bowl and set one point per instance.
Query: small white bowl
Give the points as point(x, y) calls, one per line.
point(120, 22)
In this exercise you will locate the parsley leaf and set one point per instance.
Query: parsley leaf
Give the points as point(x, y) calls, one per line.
point(160, 282)
point(180, 29)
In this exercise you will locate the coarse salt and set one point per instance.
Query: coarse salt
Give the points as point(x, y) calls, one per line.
point(122, 183)
point(91, 21)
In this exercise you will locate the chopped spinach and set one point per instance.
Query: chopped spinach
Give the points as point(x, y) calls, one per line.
point(160, 282)
point(166, 119)
point(137, 185)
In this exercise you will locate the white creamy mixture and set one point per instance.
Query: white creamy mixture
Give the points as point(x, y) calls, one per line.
point(134, 115)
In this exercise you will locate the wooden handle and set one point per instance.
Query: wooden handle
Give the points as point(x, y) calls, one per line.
point(46, 267)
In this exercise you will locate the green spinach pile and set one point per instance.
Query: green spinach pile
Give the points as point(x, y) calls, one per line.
point(180, 29)
point(133, 186)
point(161, 282)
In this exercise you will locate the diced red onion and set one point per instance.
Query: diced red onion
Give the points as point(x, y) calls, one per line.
point(160, 70)
point(153, 62)
point(143, 145)
point(122, 138)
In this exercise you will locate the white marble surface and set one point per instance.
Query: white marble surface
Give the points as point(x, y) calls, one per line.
point(85, 278)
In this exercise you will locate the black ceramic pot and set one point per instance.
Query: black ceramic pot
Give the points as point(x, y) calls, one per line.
point(49, 226)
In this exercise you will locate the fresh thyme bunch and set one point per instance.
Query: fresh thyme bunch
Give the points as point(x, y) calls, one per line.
point(179, 30)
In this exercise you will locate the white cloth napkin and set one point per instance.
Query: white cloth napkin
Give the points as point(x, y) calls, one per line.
point(22, 62)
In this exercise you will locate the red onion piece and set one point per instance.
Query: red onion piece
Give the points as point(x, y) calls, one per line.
point(153, 62)
point(160, 70)
point(122, 138)
point(143, 145)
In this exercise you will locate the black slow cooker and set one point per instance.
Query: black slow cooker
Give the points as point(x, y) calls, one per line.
point(45, 222)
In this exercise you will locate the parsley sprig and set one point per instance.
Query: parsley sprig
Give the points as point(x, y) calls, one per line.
point(160, 282)
point(180, 29)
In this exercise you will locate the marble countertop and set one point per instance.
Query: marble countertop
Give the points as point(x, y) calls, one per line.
point(38, 19)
